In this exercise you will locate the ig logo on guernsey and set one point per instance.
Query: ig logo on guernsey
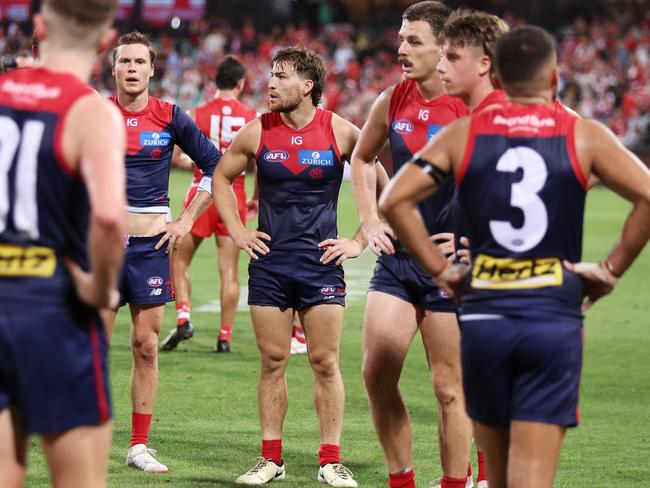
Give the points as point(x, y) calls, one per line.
point(158, 139)
point(316, 158)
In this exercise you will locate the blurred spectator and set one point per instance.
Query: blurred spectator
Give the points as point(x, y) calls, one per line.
point(604, 65)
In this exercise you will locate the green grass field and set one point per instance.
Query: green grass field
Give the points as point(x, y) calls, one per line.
point(205, 425)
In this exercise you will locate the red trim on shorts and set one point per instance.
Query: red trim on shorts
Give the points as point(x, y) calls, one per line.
point(102, 403)
point(573, 154)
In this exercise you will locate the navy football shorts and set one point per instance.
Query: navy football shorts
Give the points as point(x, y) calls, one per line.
point(400, 276)
point(53, 367)
point(294, 279)
point(517, 368)
point(145, 277)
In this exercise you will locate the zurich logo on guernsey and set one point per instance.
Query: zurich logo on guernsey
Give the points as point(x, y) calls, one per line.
point(402, 126)
point(278, 155)
point(155, 138)
point(316, 158)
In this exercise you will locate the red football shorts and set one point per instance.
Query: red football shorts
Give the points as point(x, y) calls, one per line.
point(209, 222)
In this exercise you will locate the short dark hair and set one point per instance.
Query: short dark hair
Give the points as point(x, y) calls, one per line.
point(473, 28)
point(229, 72)
point(434, 13)
point(85, 13)
point(521, 54)
point(135, 37)
point(308, 65)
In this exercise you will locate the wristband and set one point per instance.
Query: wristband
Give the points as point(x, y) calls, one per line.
point(610, 269)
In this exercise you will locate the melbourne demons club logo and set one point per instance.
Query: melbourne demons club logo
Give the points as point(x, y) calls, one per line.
point(316, 173)
point(156, 153)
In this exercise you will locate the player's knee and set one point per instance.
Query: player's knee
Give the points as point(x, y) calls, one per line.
point(273, 364)
point(448, 391)
point(379, 378)
point(324, 365)
point(146, 350)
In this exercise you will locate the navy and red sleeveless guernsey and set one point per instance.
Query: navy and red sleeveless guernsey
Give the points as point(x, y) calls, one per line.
point(53, 366)
point(412, 121)
point(151, 136)
point(299, 176)
point(523, 191)
point(43, 202)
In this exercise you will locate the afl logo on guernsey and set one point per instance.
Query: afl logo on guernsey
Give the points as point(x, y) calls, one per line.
point(402, 126)
point(316, 158)
point(155, 138)
point(273, 156)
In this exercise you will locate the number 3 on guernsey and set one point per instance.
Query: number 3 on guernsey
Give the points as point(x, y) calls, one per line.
point(523, 195)
point(25, 207)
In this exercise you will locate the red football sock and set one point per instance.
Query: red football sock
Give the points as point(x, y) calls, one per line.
point(225, 333)
point(140, 423)
point(329, 453)
point(272, 449)
point(182, 312)
point(448, 482)
point(405, 479)
point(482, 466)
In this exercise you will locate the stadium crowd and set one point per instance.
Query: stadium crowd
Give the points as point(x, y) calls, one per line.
point(605, 66)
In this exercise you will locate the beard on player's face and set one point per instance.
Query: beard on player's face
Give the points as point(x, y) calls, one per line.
point(286, 103)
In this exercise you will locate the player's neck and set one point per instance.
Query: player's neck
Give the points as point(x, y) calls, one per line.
point(542, 98)
point(76, 63)
point(430, 88)
point(478, 94)
point(300, 117)
point(225, 94)
point(133, 103)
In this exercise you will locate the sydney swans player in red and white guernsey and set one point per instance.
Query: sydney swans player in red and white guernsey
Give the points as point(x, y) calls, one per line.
point(219, 119)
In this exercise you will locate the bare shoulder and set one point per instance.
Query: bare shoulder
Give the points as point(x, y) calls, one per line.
point(248, 137)
point(346, 133)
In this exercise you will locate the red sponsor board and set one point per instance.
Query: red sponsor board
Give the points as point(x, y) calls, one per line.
point(15, 10)
point(159, 12)
point(125, 9)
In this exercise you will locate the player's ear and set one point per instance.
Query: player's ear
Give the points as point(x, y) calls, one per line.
point(308, 85)
point(40, 28)
point(240, 85)
point(485, 65)
point(555, 78)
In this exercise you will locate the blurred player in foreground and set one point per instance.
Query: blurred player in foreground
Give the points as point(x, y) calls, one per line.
point(62, 202)
point(522, 172)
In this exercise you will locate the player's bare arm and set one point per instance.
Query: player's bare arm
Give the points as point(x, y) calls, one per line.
point(181, 160)
point(242, 150)
point(601, 153)
point(101, 163)
point(414, 183)
point(365, 183)
point(341, 248)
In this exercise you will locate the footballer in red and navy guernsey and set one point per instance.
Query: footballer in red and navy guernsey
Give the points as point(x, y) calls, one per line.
point(62, 216)
point(300, 151)
point(153, 128)
point(402, 298)
point(522, 170)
